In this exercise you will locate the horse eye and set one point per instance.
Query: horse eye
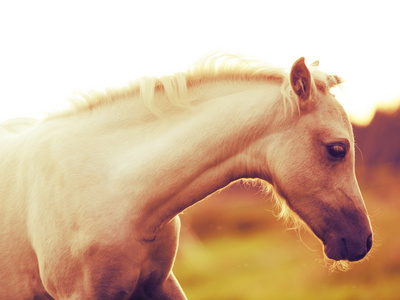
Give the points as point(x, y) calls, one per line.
point(336, 150)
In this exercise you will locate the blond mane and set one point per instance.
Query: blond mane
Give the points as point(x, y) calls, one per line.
point(213, 68)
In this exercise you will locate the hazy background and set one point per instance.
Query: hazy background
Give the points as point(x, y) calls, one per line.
point(232, 246)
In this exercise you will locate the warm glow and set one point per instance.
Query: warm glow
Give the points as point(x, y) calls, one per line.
point(51, 50)
point(361, 108)
point(231, 245)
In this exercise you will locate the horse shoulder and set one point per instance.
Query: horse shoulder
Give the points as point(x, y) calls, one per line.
point(19, 276)
point(87, 228)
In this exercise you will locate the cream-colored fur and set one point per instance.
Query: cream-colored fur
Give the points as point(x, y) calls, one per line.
point(89, 198)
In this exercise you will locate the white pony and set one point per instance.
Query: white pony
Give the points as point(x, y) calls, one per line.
point(90, 197)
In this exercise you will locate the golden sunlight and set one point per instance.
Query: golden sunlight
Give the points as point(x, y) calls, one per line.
point(48, 56)
point(231, 245)
point(362, 108)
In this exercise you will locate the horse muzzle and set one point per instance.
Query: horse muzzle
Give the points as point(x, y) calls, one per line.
point(348, 249)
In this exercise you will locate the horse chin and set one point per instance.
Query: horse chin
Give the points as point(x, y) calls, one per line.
point(336, 251)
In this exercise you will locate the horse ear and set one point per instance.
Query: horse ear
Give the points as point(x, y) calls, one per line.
point(300, 79)
point(315, 63)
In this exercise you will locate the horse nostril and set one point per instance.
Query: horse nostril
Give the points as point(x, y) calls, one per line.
point(369, 243)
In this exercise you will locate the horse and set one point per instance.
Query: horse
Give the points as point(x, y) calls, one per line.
point(90, 196)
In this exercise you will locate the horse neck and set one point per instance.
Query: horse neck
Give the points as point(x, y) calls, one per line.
point(179, 159)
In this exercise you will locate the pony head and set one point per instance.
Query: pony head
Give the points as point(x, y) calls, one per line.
point(311, 164)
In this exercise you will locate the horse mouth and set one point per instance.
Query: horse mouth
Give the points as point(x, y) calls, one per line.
point(344, 249)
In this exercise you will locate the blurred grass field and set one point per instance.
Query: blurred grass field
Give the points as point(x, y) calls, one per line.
point(233, 247)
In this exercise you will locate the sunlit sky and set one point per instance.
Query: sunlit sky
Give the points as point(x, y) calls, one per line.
point(50, 49)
